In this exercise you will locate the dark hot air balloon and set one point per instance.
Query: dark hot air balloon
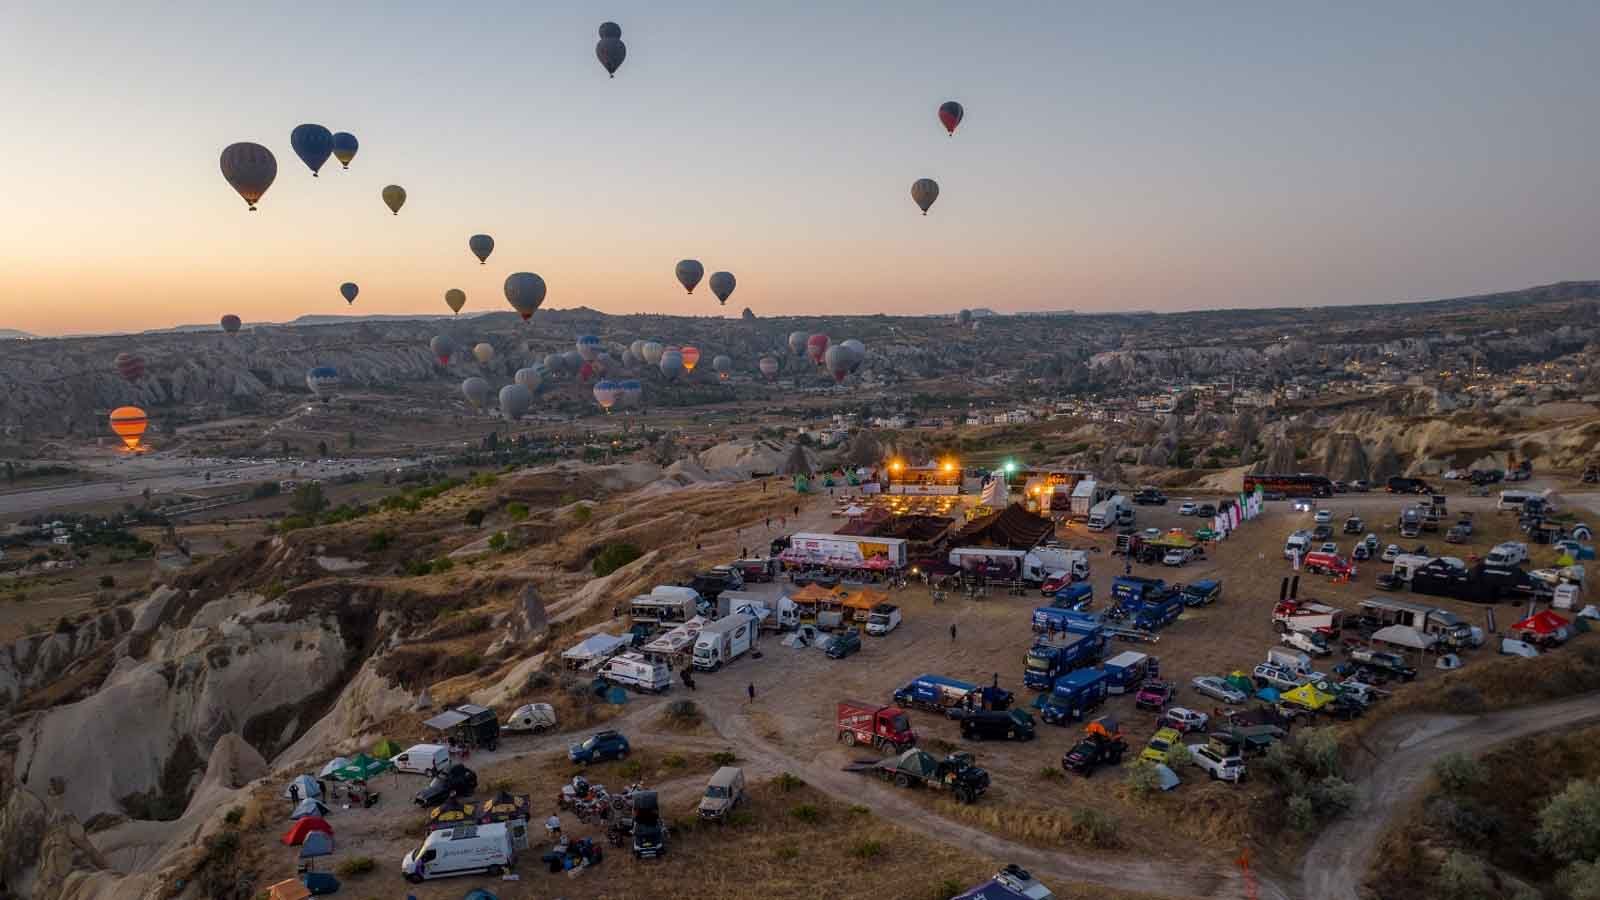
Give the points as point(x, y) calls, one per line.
point(442, 348)
point(525, 292)
point(950, 113)
point(313, 144)
point(611, 51)
point(481, 246)
point(924, 191)
point(689, 272)
point(231, 324)
point(130, 366)
point(722, 284)
point(345, 146)
point(250, 169)
point(349, 290)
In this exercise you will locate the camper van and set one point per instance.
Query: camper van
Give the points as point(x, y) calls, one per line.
point(633, 670)
point(462, 850)
point(423, 759)
point(1298, 544)
point(1513, 501)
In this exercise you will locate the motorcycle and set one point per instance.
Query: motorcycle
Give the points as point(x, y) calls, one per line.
point(578, 790)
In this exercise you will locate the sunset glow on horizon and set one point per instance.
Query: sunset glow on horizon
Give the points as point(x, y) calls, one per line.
point(1109, 159)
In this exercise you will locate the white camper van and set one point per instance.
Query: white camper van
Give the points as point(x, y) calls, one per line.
point(633, 670)
point(423, 759)
point(462, 850)
point(1297, 544)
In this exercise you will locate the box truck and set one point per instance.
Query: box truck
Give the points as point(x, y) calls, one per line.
point(634, 671)
point(723, 641)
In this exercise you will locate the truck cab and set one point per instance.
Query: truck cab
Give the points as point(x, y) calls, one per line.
point(887, 728)
point(882, 619)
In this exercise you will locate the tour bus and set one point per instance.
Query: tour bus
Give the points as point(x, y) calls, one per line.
point(1290, 485)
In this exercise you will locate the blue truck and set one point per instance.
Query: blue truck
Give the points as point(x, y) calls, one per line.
point(1202, 593)
point(1051, 619)
point(937, 693)
point(1076, 596)
point(1126, 671)
point(1049, 659)
point(1131, 591)
point(1147, 603)
point(1074, 695)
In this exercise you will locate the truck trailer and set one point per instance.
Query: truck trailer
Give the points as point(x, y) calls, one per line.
point(937, 693)
point(1074, 695)
point(843, 550)
point(1048, 660)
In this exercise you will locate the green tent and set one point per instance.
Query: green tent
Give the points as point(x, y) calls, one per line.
point(386, 749)
point(802, 484)
point(363, 768)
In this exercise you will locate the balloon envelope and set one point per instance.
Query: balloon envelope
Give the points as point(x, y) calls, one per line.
point(442, 348)
point(571, 360)
point(554, 362)
point(530, 378)
point(950, 113)
point(632, 392)
point(924, 191)
point(722, 284)
point(797, 342)
point(722, 365)
point(671, 363)
point(231, 323)
point(691, 357)
point(857, 353)
point(588, 346)
point(964, 317)
point(481, 246)
point(476, 390)
point(313, 144)
point(769, 366)
point(322, 380)
point(483, 352)
point(515, 400)
point(651, 351)
point(606, 394)
point(689, 272)
point(394, 197)
point(129, 423)
point(611, 52)
point(455, 298)
point(349, 290)
point(130, 366)
point(816, 347)
point(610, 30)
point(250, 169)
point(345, 146)
point(525, 292)
point(837, 360)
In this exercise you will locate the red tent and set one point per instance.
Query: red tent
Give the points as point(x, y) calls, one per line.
point(302, 827)
point(1543, 624)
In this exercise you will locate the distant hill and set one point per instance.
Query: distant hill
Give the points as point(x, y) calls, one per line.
point(11, 334)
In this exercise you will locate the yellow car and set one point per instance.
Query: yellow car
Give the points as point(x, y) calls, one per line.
point(1161, 744)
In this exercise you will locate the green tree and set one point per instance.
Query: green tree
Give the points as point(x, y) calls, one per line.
point(1463, 876)
point(613, 557)
point(1457, 772)
point(308, 499)
point(1569, 824)
point(1580, 881)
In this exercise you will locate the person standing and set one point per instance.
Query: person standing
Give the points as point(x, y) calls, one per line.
point(751, 689)
point(952, 632)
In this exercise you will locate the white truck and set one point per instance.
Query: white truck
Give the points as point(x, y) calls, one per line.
point(837, 549)
point(1085, 494)
point(771, 614)
point(1298, 543)
point(882, 619)
point(1306, 615)
point(1054, 560)
point(1507, 554)
point(462, 850)
point(635, 671)
point(724, 641)
point(1013, 565)
point(1111, 512)
point(1293, 660)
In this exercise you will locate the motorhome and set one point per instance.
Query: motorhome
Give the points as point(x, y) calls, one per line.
point(462, 850)
point(1298, 544)
point(666, 606)
point(1407, 564)
point(635, 671)
point(1427, 619)
point(1509, 553)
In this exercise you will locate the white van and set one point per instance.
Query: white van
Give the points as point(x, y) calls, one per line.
point(1298, 544)
point(633, 670)
point(462, 850)
point(423, 759)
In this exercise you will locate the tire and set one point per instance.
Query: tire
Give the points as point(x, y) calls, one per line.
point(414, 878)
point(1212, 773)
point(495, 871)
point(849, 738)
point(902, 780)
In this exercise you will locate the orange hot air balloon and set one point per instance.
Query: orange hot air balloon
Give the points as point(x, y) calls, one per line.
point(691, 356)
point(129, 422)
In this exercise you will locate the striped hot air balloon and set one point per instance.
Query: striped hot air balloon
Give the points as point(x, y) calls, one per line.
point(129, 423)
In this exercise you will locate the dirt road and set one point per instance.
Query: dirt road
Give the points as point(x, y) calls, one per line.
point(1336, 862)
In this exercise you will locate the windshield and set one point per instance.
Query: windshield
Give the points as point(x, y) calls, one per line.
point(717, 792)
point(1038, 663)
point(589, 744)
point(878, 618)
point(900, 724)
point(1159, 744)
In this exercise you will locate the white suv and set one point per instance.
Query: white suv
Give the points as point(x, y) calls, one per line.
point(1188, 508)
point(1217, 765)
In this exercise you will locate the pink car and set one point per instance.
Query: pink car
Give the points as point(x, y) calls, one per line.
point(1153, 695)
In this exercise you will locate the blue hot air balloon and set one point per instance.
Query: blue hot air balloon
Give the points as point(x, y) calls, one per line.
point(313, 144)
point(588, 347)
point(322, 380)
point(345, 146)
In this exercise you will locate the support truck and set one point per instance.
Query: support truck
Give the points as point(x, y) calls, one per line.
point(886, 728)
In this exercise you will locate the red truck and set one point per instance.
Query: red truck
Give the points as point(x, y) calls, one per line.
point(885, 727)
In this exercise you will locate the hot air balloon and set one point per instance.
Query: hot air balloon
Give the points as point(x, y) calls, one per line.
point(816, 347)
point(857, 351)
point(571, 361)
point(530, 378)
point(722, 365)
point(671, 364)
point(394, 197)
point(632, 392)
point(250, 169)
point(588, 347)
point(322, 380)
point(345, 146)
point(691, 357)
point(231, 323)
point(524, 291)
point(924, 191)
point(606, 394)
point(129, 423)
point(483, 352)
point(689, 272)
point(476, 390)
point(769, 367)
point(637, 348)
point(442, 348)
point(837, 361)
point(514, 401)
point(130, 366)
point(611, 51)
point(349, 290)
point(455, 298)
point(602, 362)
point(964, 317)
point(481, 246)
point(950, 113)
point(797, 342)
point(722, 284)
point(313, 144)
point(651, 351)
point(554, 363)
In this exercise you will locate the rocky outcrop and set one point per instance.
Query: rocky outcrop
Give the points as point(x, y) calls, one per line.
point(1279, 457)
point(37, 660)
point(1345, 458)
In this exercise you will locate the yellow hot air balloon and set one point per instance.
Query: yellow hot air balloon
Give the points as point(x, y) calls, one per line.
point(455, 298)
point(691, 356)
point(129, 423)
point(394, 197)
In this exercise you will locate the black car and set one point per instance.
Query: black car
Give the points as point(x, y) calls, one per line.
point(1150, 497)
point(1206, 510)
point(455, 781)
point(1092, 752)
point(1389, 581)
point(1322, 533)
point(1010, 725)
point(843, 644)
point(649, 832)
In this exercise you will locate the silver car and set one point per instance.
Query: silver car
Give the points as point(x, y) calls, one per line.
point(1217, 688)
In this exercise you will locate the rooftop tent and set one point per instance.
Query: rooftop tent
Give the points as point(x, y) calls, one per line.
point(592, 648)
point(1404, 636)
point(309, 807)
point(1105, 726)
point(293, 889)
point(317, 843)
point(1308, 696)
point(503, 807)
point(450, 813)
point(304, 785)
point(1544, 623)
point(386, 749)
point(302, 827)
point(332, 766)
point(363, 768)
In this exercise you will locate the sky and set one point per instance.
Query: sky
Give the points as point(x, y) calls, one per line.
point(1150, 156)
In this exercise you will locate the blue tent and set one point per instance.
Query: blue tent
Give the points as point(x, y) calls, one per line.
point(1269, 694)
point(479, 894)
point(305, 786)
point(317, 843)
point(309, 808)
point(319, 883)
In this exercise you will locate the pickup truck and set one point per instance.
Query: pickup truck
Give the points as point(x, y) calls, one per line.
point(1391, 663)
point(1267, 674)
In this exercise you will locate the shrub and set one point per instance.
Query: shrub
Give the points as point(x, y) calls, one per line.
point(1463, 819)
point(355, 865)
point(108, 581)
point(723, 758)
point(1094, 828)
point(234, 816)
point(220, 844)
point(1464, 698)
point(857, 809)
point(631, 769)
point(1178, 755)
point(787, 853)
point(1142, 779)
point(740, 818)
point(867, 849)
point(1050, 773)
point(673, 761)
point(497, 541)
point(1580, 881)
point(683, 714)
point(516, 512)
point(379, 541)
point(948, 888)
point(1569, 823)
point(1457, 772)
point(1301, 814)
point(582, 514)
point(613, 557)
point(787, 781)
point(1463, 877)
point(806, 812)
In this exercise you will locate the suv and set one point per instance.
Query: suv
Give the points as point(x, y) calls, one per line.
point(1159, 750)
point(1324, 517)
point(724, 792)
point(1219, 765)
point(1150, 497)
point(1392, 663)
point(844, 643)
point(1267, 674)
point(1206, 510)
point(1092, 752)
point(456, 781)
point(1153, 695)
point(1354, 525)
point(1188, 508)
point(601, 745)
point(649, 832)
point(1010, 725)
